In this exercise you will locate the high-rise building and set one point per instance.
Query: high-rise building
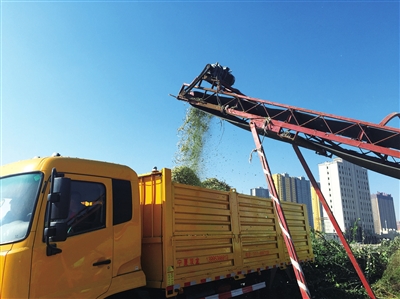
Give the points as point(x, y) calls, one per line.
point(260, 192)
point(317, 211)
point(294, 189)
point(285, 186)
point(346, 189)
point(303, 195)
point(383, 212)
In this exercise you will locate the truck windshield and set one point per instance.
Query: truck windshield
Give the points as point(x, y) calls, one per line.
point(18, 195)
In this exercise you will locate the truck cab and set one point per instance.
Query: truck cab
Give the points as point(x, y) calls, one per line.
point(69, 228)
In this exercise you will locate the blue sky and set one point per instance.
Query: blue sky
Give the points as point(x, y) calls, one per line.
point(92, 79)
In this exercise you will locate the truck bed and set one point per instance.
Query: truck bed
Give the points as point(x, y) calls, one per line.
point(193, 235)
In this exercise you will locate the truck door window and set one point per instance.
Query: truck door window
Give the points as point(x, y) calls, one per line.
point(87, 207)
point(122, 201)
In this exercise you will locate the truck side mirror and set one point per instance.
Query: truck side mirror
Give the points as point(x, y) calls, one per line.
point(57, 231)
point(59, 198)
point(57, 211)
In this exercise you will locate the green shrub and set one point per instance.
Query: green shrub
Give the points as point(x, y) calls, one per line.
point(332, 275)
point(389, 285)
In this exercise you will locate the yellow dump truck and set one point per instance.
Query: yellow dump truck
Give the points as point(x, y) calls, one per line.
point(75, 228)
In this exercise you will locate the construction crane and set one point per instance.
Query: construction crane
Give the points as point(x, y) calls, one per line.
point(372, 146)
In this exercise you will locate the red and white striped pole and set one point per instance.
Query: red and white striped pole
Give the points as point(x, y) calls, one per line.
point(334, 223)
point(301, 281)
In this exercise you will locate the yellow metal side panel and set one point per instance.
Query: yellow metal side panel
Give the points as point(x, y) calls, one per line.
point(203, 237)
point(150, 188)
point(168, 228)
point(259, 239)
point(193, 234)
point(297, 221)
point(317, 210)
point(237, 246)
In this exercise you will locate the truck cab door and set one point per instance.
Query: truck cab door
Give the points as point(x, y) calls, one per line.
point(84, 267)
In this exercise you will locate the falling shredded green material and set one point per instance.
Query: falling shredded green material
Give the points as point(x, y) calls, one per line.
point(193, 136)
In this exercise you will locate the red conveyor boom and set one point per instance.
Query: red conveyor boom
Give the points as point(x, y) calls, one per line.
point(373, 146)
